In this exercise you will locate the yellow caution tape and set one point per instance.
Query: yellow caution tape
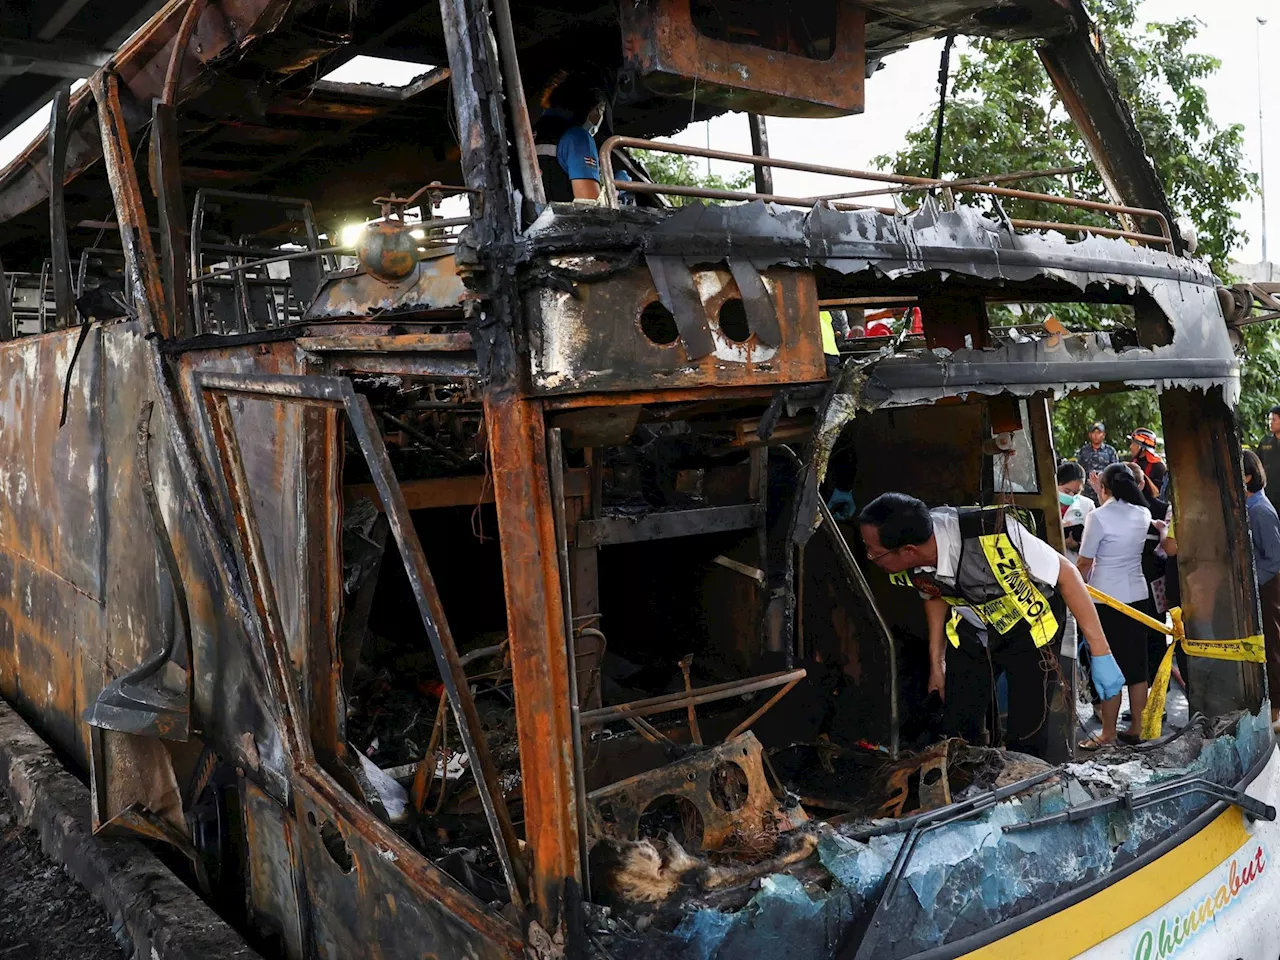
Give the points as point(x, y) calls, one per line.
point(1248, 649)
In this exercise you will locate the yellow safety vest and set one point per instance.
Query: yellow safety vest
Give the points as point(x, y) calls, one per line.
point(829, 346)
point(991, 565)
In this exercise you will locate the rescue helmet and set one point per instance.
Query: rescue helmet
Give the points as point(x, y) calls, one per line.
point(1144, 438)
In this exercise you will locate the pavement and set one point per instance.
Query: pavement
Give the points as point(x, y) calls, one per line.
point(44, 914)
point(1175, 718)
point(138, 899)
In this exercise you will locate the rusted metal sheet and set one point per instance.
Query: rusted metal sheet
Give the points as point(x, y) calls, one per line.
point(433, 284)
point(342, 829)
point(227, 685)
point(614, 334)
point(726, 785)
point(52, 478)
point(272, 853)
point(665, 50)
point(369, 894)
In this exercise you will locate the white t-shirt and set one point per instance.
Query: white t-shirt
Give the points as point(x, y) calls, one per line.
point(1114, 535)
point(1074, 517)
point(1043, 562)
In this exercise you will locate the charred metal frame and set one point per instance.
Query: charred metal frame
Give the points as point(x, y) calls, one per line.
point(1162, 238)
point(517, 434)
point(527, 454)
point(58, 133)
point(337, 393)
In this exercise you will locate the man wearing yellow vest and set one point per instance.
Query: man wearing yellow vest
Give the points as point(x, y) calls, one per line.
point(986, 583)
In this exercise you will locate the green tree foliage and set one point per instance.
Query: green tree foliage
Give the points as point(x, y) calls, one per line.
point(1004, 116)
point(1259, 380)
point(685, 171)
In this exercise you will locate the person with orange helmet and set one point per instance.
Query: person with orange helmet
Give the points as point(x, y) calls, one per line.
point(1142, 451)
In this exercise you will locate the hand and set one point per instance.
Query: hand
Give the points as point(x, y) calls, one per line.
point(1107, 677)
point(1095, 481)
point(842, 506)
point(938, 681)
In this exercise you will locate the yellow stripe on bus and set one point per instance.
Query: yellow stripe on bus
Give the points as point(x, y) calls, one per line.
point(1072, 931)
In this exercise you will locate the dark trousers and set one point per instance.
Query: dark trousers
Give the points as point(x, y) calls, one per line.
point(971, 679)
point(1269, 596)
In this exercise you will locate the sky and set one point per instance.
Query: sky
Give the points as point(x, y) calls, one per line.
point(905, 91)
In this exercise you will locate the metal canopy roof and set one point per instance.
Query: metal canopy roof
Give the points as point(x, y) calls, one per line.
point(256, 115)
point(46, 43)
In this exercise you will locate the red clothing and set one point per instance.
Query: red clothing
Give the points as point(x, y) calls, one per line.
point(1148, 461)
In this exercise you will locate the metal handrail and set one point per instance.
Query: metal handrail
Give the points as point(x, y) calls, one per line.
point(612, 186)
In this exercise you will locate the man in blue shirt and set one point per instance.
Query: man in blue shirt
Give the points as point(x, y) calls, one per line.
point(566, 145)
point(1264, 525)
point(1095, 456)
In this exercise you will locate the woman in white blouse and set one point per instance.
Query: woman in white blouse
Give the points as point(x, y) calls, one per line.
point(1110, 561)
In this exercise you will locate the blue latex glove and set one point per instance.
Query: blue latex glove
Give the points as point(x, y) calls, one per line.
point(842, 506)
point(1107, 677)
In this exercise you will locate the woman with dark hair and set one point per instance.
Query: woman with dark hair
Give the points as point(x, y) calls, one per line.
point(1158, 506)
point(1073, 506)
point(1111, 548)
point(1264, 525)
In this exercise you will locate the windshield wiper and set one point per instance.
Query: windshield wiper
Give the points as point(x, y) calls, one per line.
point(1128, 800)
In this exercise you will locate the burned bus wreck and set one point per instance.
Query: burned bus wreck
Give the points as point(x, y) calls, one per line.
point(466, 586)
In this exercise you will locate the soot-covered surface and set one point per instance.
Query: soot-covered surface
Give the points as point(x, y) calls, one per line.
point(44, 914)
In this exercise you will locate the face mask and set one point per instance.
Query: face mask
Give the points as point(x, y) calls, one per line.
point(1065, 499)
point(595, 117)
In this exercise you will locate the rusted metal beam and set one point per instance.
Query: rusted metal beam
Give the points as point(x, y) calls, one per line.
point(668, 702)
point(607, 531)
point(530, 174)
point(6, 308)
point(430, 493)
point(555, 460)
point(760, 147)
point(540, 664)
point(395, 343)
point(1219, 589)
point(535, 621)
point(60, 250)
point(167, 186)
point(181, 40)
point(135, 237)
point(1088, 90)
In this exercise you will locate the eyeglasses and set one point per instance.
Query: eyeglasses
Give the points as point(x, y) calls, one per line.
point(876, 558)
